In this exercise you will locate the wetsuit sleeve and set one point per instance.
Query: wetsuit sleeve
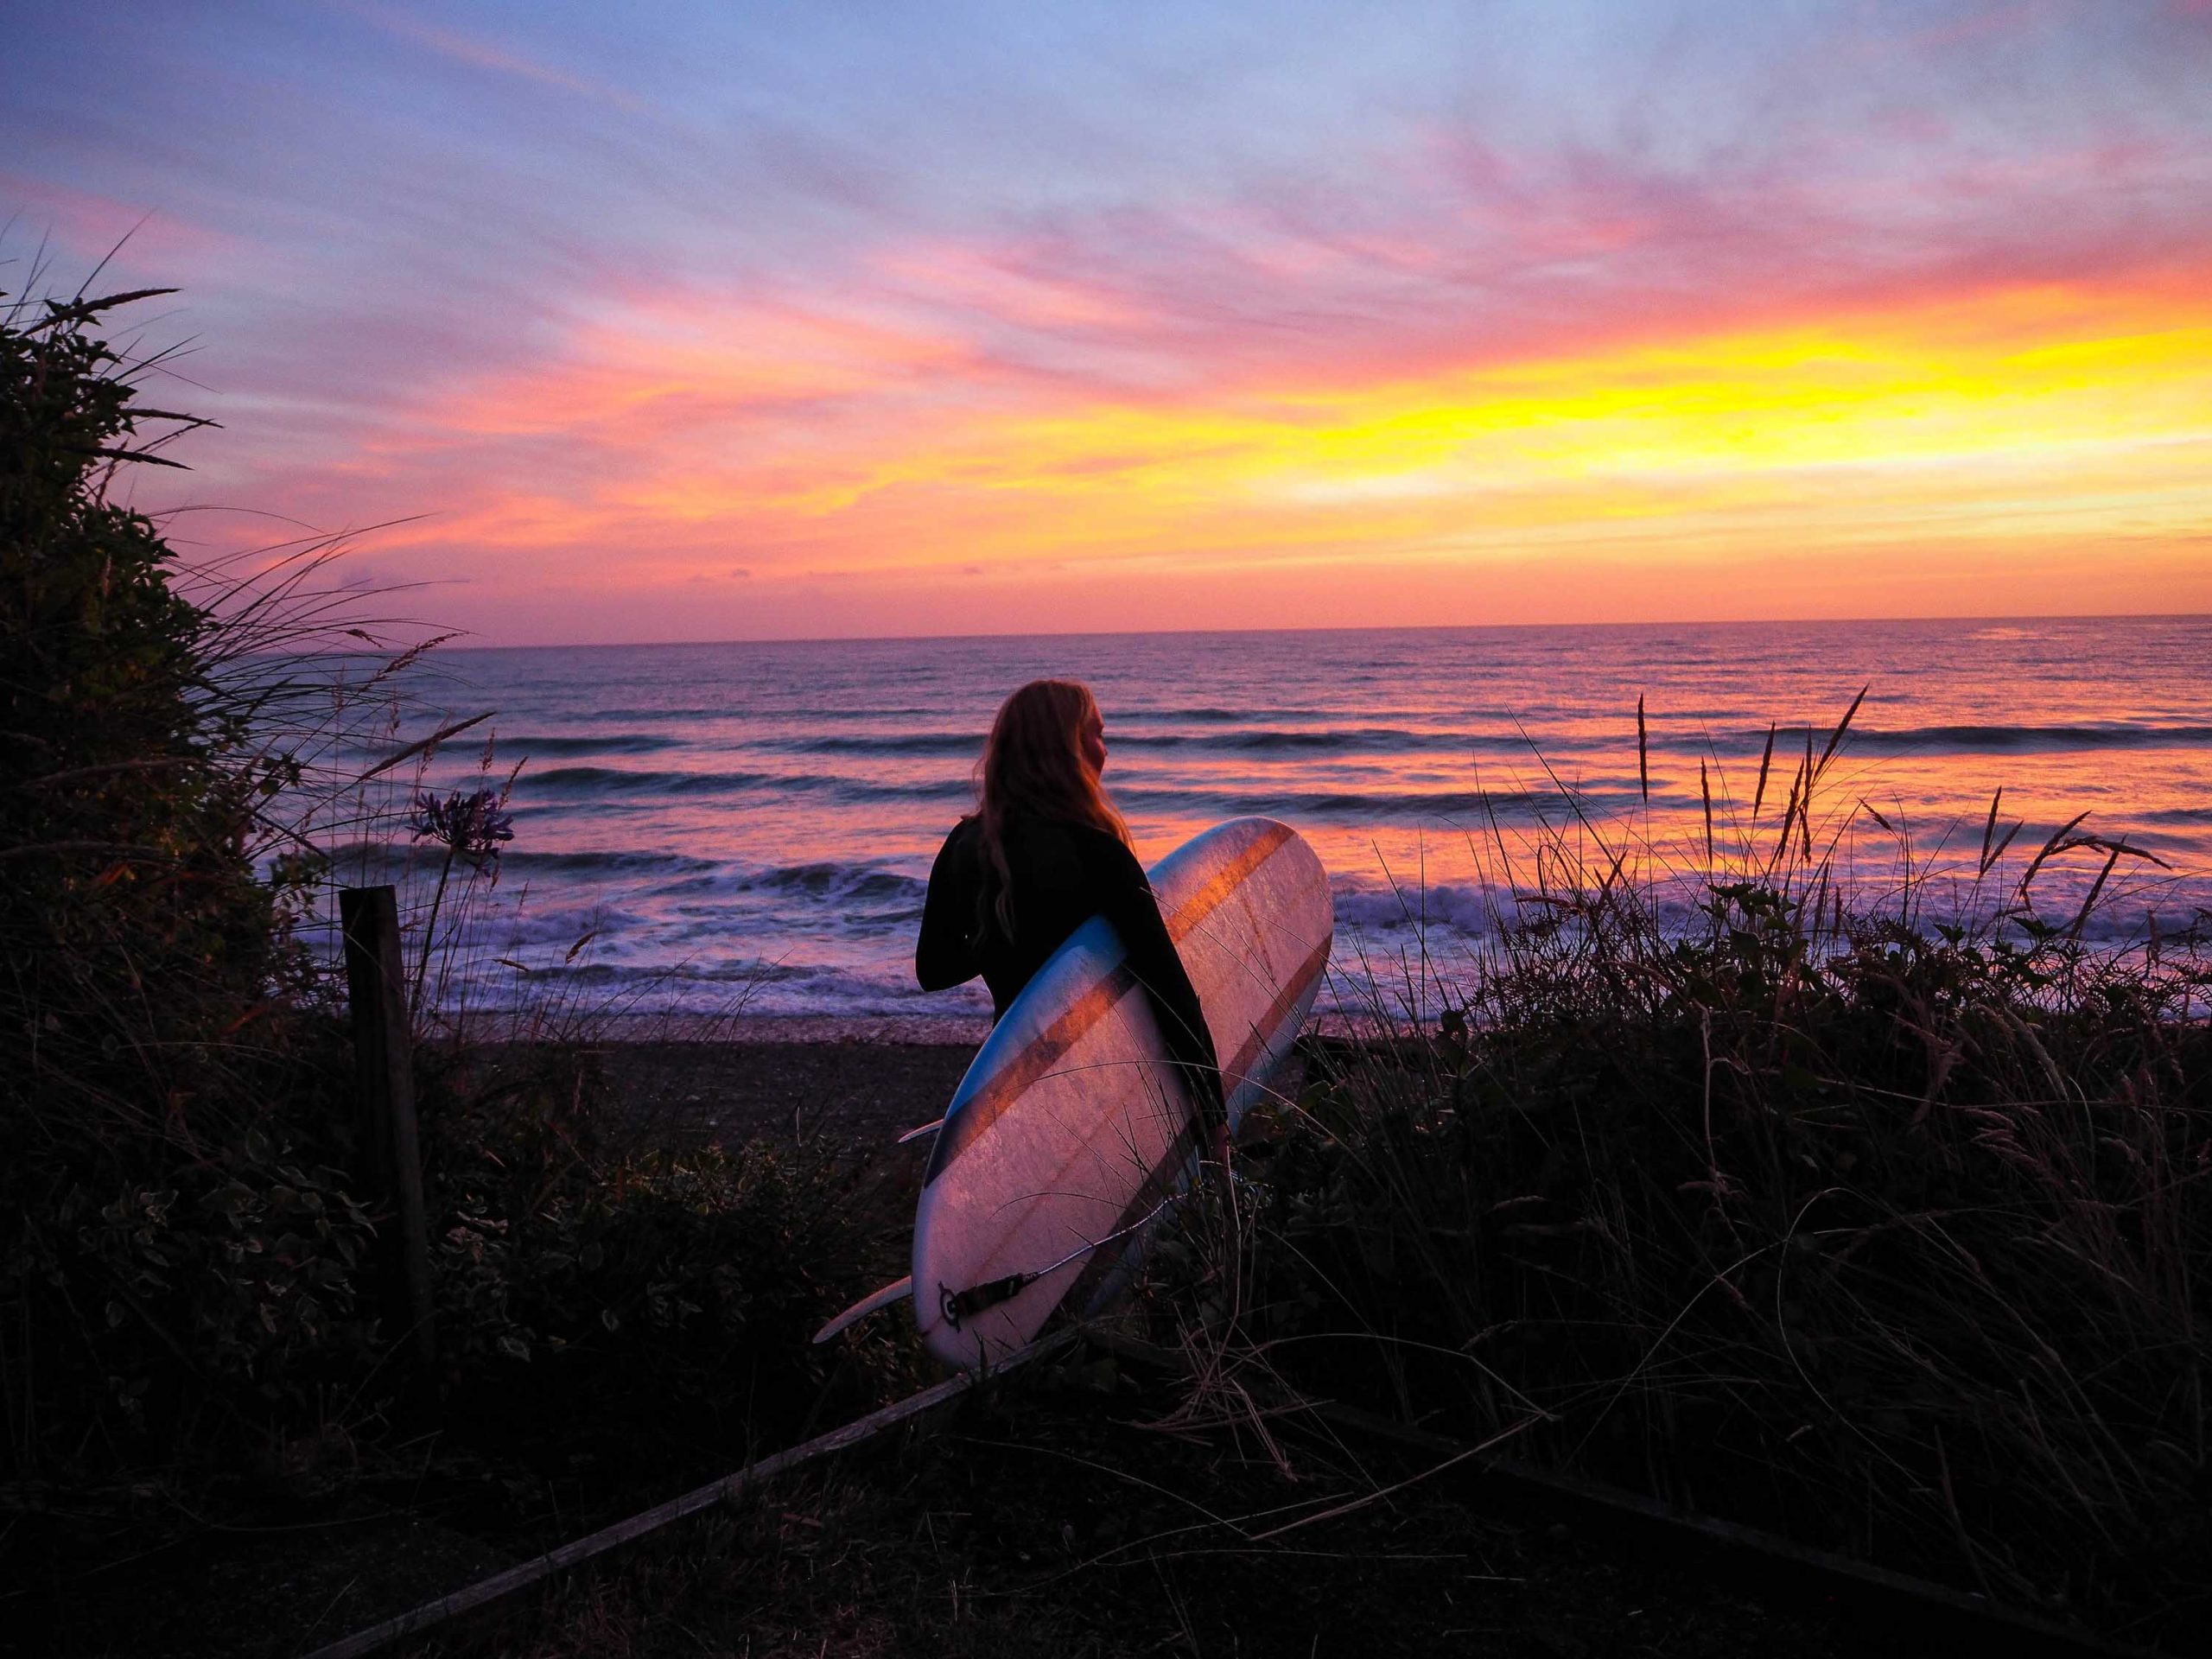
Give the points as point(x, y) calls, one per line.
point(946, 954)
point(1129, 903)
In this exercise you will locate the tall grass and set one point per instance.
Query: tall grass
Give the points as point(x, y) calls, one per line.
point(1876, 1213)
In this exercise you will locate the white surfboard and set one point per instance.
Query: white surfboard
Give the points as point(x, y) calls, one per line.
point(1071, 1131)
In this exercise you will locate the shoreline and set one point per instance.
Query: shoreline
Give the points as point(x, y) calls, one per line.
point(784, 1078)
point(840, 1030)
point(730, 1087)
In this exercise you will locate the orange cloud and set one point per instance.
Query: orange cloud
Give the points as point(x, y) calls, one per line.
point(645, 366)
point(865, 444)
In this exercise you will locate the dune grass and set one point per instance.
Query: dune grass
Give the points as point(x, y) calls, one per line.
point(1855, 1212)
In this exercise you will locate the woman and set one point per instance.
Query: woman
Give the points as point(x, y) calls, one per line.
point(1043, 853)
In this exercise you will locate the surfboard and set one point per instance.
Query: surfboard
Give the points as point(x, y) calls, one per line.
point(1071, 1131)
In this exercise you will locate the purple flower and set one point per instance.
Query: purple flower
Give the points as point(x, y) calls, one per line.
point(469, 826)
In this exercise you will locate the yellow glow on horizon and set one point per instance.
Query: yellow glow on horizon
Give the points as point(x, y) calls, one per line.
point(1893, 393)
point(2047, 416)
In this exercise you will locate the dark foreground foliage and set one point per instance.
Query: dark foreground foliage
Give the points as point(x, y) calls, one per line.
point(193, 1320)
point(606, 1296)
point(168, 1247)
point(1893, 1237)
point(1061, 1516)
point(1898, 1240)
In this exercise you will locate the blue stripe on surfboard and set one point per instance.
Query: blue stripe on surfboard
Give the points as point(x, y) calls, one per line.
point(977, 1111)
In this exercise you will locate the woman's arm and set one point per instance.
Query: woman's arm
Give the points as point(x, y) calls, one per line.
point(1129, 903)
point(944, 955)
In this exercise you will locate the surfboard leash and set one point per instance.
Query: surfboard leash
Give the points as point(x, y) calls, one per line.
point(956, 1306)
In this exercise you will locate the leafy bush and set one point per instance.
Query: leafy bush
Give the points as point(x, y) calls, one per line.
point(235, 1290)
point(593, 1293)
point(172, 1243)
point(135, 927)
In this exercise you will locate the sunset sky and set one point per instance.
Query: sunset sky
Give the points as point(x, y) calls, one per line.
point(717, 321)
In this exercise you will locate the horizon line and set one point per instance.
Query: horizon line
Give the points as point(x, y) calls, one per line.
point(1383, 627)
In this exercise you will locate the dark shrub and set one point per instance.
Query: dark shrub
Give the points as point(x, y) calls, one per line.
point(173, 1241)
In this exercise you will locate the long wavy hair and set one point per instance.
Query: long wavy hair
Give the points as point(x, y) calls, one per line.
point(1034, 765)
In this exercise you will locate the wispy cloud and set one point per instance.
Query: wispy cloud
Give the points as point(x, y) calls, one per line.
point(615, 305)
point(481, 53)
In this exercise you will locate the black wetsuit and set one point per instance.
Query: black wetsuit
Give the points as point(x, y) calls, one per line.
point(1064, 875)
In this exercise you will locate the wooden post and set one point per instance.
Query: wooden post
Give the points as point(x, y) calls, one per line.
point(387, 1155)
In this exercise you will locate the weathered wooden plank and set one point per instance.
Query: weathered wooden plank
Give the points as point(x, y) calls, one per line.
point(500, 1585)
point(1875, 1598)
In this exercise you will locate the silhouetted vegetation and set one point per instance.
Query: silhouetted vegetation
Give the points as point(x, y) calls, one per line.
point(1892, 1235)
point(190, 1317)
point(1888, 1233)
point(172, 1247)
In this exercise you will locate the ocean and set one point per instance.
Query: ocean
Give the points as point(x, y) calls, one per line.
point(749, 827)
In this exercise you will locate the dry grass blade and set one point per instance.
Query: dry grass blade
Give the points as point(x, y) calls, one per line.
point(1766, 761)
point(408, 659)
point(2096, 891)
point(1835, 737)
point(2004, 842)
point(2050, 848)
point(1989, 830)
point(1366, 1499)
point(425, 745)
point(2125, 849)
point(142, 457)
point(1789, 818)
point(62, 313)
point(1805, 796)
point(1643, 751)
point(1705, 793)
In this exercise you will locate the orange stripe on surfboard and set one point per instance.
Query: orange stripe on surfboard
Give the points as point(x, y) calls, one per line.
point(1207, 900)
point(1160, 1178)
point(1264, 1032)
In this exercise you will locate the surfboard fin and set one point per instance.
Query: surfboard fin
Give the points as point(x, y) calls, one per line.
point(917, 1133)
point(898, 1290)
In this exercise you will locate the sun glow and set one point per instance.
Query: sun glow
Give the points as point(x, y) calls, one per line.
point(742, 325)
point(821, 447)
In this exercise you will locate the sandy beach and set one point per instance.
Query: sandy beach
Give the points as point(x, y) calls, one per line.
point(867, 1089)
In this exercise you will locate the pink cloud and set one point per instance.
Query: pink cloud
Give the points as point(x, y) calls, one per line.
point(1976, 29)
point(482, 55)
point(648, 368)
point(89, 225)
point(902, 393)
point(1006, 283)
